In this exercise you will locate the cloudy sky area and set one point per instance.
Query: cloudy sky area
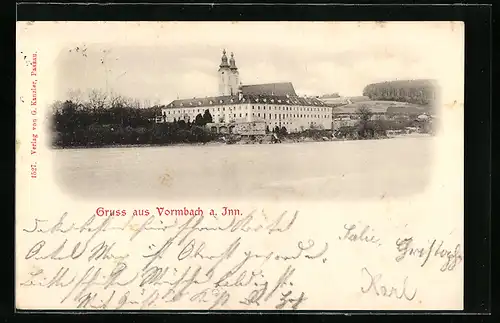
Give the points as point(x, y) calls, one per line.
point(163, 61)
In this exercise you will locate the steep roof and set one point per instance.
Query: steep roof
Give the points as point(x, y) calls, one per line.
point(279, 89)
point(229, 100)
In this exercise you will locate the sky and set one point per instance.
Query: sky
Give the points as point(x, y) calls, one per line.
point(160, 62)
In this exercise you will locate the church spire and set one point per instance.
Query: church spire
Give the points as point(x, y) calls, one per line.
point(232, 62)
point(224, 60)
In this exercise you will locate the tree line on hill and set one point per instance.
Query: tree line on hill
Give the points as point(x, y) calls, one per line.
point(411, 91)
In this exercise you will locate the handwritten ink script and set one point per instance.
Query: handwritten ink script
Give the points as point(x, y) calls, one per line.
point(378, 287)
point(253, 261)
point(178, 263)
point(407, 248)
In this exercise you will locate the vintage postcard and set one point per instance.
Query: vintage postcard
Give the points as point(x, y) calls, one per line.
point(239, 166)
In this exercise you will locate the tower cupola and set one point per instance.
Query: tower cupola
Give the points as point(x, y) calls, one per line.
point(232, 63)
point(224, 60)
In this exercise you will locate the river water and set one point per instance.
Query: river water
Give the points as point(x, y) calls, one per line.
point(316, 170)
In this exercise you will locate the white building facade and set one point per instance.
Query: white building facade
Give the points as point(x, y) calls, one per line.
point(294, 118)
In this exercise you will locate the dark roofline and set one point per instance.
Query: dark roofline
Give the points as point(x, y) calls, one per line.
point(268, 84)
point(277, 88)
point(247, 98)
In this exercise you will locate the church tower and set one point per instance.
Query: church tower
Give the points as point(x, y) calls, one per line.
point(224, 76)
point(229, 78)
point(235, 76)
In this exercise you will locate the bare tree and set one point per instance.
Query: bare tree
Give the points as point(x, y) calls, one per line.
point(56, 107)
point(117, 100)
point(146, 103)
point(76, 96)
point(97, 100)
point(134, 103)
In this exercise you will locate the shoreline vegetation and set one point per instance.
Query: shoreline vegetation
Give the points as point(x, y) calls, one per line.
point(243, 142)
point(108, 120)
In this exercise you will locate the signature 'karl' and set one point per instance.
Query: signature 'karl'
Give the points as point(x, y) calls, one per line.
point(377, 287)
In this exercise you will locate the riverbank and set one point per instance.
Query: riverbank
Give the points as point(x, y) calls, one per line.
point(220, 142)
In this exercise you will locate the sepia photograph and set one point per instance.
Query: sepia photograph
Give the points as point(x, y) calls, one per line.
point(239, 165)
point(274, 116)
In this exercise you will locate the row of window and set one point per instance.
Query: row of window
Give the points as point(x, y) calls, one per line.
point(293, 108)
point(285, 123)
point(281, 108)
point(287, 115)
point(279, 115)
